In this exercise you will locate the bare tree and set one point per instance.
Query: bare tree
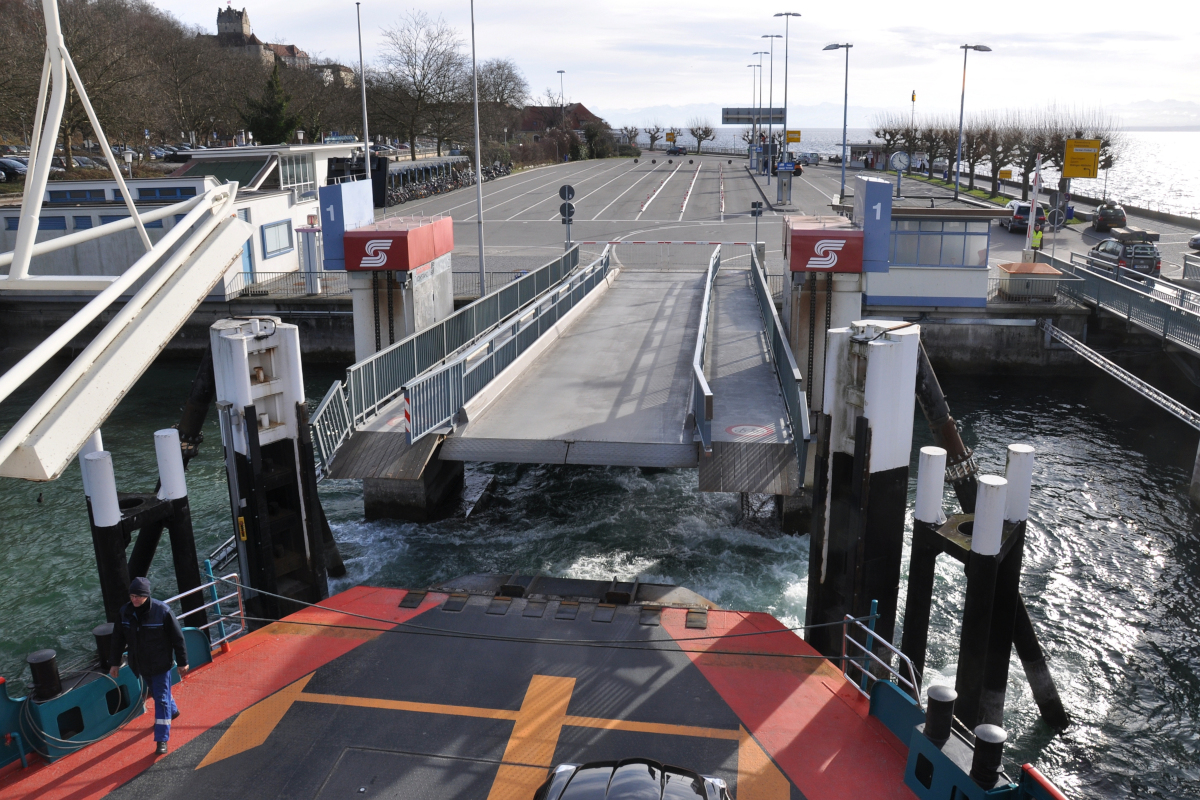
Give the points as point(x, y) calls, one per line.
point(702, 131)
point(674, 132)
point(747, 135)
point(422, 60)
point(630, 132)
point(891, 128)
point(998, 144)
point(503, 93)
point(654, 132)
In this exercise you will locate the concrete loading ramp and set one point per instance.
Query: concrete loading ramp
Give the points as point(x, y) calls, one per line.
point(624, 376)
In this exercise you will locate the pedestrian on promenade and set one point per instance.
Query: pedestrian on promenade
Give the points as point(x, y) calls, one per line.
point(1037, 238)
point(155, 643)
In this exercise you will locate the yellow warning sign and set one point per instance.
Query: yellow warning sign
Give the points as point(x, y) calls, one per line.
point(793, 137)
point(670, 136)
point(1006, 174)
point(1082, 158)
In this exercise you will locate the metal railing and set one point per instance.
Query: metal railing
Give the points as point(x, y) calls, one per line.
point(332, 424)
point(435, 397)
point(210, 590)
point(702, 396)
point(790, 379)
point(861, 656)
point(296, 283)
point(1022, 290)
point(1161, 317)
point(466, 284)
point(1191, 267)
point(1159, 398)
point(379, 379)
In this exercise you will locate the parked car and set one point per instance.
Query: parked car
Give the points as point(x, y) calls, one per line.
point(13, 170)
point(677, 150)
point(1108, 216)
point(808, 159)
point(1194, 242)
point(1133, 250)
point(9, 150)
point(629, 779)
point(1019, 221)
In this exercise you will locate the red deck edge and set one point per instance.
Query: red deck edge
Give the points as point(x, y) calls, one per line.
point(808, 718)
point(215, 692)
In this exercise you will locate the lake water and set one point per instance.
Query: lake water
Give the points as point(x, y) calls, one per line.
point(1158, 170)
point(1112, 567)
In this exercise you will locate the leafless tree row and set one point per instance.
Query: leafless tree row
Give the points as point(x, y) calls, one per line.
point(999, 140)
point(144, 70)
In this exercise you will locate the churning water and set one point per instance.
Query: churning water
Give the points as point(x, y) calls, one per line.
point(1112, 567)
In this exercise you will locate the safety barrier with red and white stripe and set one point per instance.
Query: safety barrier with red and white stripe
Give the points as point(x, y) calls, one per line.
point(747, 244)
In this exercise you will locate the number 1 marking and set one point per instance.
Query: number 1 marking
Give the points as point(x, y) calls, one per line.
point(329, 208)
point(878, 209)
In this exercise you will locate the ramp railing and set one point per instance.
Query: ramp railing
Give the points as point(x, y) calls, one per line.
point(1191, 267)
point(702, 396)
point(791, 381)
point(434, 398)
point(1164, 318)
point(379, 379)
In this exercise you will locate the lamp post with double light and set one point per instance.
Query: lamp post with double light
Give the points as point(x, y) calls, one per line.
point(962, 103)
point(787, 15)
point(771, 106)
point(845, 106)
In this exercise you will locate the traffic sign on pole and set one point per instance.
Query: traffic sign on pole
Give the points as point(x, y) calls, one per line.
point(793, 137)
point(567, 210)
point(1082, 158)
point(566, 191)
point(671, 136)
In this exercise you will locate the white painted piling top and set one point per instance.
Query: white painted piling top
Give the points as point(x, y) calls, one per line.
point(931, 483)
point(93, 444)
point(1019, 473)
point(170, 465)
point(102, 483)
point(988, 529)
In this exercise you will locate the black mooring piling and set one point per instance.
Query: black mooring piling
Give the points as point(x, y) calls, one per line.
point(108, 535)
point(1037, 671)
point(926, 546)
point(982, 566)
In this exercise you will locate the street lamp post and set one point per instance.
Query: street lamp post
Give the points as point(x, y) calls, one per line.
point(562, 98)
point(753, 119)
point(758, 118)
point(786, 39)
point(478, 162)
point(982, 48)
point(771, 106)
point(362, 80)
point(845, 107)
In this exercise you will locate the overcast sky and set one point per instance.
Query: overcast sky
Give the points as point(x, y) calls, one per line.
point(630, 61)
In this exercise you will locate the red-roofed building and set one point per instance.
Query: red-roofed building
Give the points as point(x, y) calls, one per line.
point(538, 119)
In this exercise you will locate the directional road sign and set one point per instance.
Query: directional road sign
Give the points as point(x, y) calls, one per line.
point(670, 136)
point(567, 210)
point(1082, 158)
point(793, 137)
point(566, 191)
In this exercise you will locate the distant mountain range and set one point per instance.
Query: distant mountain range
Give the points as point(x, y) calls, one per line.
point(1142, 115)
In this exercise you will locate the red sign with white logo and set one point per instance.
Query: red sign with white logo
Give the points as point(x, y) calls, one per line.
point(401, 243)
point(826, 250)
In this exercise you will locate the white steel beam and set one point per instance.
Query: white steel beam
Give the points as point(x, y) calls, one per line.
point(47, 438)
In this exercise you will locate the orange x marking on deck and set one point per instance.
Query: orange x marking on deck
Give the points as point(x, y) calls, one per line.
point(537, 725)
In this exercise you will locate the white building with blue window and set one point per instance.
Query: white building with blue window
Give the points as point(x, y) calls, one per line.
point(277, 193)
point(937, 258)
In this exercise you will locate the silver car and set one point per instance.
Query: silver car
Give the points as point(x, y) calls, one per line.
point(629, 779)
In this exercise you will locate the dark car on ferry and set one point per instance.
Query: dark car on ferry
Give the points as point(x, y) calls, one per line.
point(1108, 216)
point(1019, 221)
point(629, 779)
point(1134, 253)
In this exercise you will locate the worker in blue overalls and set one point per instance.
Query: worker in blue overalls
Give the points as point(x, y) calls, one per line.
point(155, 643)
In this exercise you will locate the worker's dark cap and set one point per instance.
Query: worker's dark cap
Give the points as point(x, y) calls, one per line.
point(139, 587)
